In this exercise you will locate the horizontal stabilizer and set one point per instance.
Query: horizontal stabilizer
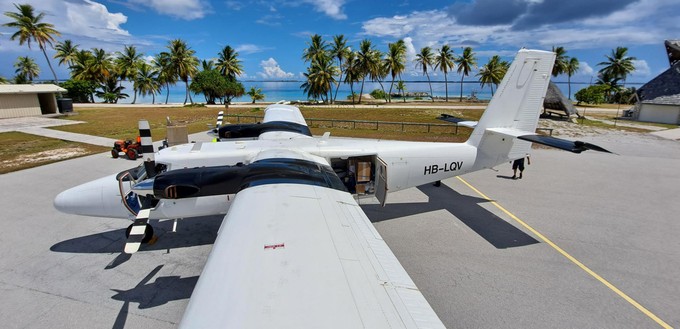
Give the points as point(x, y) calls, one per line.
point(458, 121)
point(563, 144)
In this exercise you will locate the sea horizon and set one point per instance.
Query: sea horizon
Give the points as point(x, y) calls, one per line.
point(289, 90)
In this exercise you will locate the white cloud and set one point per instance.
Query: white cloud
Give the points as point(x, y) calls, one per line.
point(585, 69)
point(182, 9)
point(641, 68)
point(438, 27)
point(332, 8)
point(249, 49)
point(81, 19)
point(272, 70)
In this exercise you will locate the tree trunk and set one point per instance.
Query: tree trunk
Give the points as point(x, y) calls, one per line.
point(461, 88)
point(337, 85)
point(362, 89)
point(167, 87)
point(446, 87)
point(430, 83)
point(49, 64)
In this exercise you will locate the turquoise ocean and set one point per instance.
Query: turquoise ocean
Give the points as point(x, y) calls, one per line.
point(275, 91)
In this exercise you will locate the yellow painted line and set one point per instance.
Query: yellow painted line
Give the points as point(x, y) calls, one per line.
point(572, 259)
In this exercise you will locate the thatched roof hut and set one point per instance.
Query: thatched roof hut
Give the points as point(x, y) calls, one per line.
point(557, 102)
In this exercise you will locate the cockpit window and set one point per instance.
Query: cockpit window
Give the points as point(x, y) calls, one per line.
point(135, 173)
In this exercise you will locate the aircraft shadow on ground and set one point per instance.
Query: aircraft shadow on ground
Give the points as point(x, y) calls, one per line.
point(492, 228)
point(190, 232)
point(148, 295)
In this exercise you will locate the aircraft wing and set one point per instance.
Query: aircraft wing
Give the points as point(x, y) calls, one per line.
point(303, 256)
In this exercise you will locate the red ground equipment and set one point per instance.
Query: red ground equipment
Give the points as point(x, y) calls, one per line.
point(131, 149)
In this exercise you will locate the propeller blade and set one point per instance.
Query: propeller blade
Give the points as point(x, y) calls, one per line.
point(147, 148)
point(220, 119)
point(134, 241)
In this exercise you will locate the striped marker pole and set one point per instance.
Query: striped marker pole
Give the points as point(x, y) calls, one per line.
point(147, 148)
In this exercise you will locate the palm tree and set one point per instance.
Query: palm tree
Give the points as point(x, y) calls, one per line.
point(255, 94)
point(465, 63)
point(444, 62)
point(110, 91)
point(127, 64)
point(319, 78)
point(571, 69)
point(365, 62)
point(492, 73)
point(425, 59)
point(377, 71)
point(317, 49)
point(67, 52)
point(161, 63)
point(352, 72)
point(610, 82)
point(101, 66)
point(561, 61)
point(79, 68)
point(228, 63)
point(339, 51)
point(30, 28)
point(145, 81)
point(394, 62)
point(183, 63)
point(26, 68)
point(401, 87)
point(618, 64)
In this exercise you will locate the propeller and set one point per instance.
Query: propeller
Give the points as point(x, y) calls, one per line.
point(141, 231)
point(147, 148)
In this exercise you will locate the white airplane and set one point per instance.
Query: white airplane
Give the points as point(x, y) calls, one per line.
point(295, 249)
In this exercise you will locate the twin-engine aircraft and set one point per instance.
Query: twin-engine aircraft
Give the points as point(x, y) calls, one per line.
point(295, 249)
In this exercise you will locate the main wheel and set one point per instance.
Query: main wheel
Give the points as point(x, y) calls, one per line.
point(148, 233)
point(114, 154)
point(132, 154)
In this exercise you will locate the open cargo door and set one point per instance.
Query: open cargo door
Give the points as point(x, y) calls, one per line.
point(381, 181)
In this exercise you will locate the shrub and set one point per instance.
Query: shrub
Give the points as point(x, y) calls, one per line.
point(378, 94)
point(591, 95)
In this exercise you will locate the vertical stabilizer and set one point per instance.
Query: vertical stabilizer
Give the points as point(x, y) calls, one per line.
point(515, 106)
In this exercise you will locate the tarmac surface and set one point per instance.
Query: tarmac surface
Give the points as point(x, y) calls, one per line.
point(478, 266)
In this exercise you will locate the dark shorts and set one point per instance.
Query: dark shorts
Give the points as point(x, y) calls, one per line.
point(519, 163)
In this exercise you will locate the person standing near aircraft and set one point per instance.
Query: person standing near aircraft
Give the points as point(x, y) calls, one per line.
point(519, 163)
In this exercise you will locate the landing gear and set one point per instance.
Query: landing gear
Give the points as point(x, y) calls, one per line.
point(148, 233)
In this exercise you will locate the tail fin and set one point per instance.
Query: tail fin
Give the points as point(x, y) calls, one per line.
point(513, 109)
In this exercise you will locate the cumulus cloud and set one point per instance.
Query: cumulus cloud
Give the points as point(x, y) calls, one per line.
point(585, 69)
point(641, 68)
point(332, 8)
point(272, 70)
point(182, 9)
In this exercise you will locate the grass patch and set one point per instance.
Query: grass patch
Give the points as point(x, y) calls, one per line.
point(21, 151)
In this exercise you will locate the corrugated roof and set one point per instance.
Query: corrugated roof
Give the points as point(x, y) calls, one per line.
point(31, 89)
point(664, 89)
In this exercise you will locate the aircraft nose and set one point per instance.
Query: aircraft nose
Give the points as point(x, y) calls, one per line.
point(80, 199)
point(98, 198)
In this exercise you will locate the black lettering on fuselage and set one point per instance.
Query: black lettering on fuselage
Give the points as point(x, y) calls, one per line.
point(447, 167)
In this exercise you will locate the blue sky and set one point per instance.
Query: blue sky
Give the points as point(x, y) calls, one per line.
point(271, 35)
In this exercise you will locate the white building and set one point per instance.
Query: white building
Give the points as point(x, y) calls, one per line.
point(28, 100)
